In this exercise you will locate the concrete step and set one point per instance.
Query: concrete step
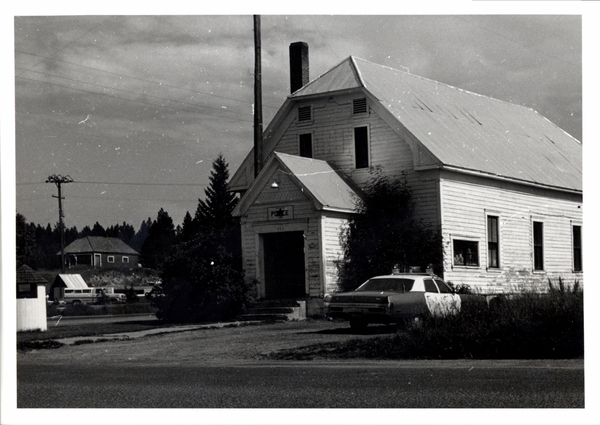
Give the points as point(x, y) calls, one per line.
point(275, 310)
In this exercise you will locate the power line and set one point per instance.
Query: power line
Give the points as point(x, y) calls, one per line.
point(133, 92)
point(133, 100)
point(157, 83)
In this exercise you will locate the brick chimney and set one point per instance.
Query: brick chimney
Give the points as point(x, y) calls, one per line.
point(298, 65)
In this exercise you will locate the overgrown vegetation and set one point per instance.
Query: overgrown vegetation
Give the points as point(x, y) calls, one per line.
point(385, 232)
point(526, 326)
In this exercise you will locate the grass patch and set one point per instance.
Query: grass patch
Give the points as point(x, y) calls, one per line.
point(527, 326)
point(38, 345)
point(64, 330)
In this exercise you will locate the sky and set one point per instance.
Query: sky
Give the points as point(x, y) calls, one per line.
point(136, 108)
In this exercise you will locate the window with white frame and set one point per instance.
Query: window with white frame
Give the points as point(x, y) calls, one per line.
point(577, 257)
point(493, 242)
point(110, 259)
point(466, 253)
point(538, 245)
point(125, 259)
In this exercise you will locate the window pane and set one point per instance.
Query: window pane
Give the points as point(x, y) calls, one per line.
point(361, 147)
point(577, 262)
point(444, 288)
point(430, 286)
point(493, 251)
point(305, 141)
point(466, 253)
point(538, 245)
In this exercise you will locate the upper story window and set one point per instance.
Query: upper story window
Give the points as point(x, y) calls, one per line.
point(305, 146)
point(359, 106)
point(361, 147)
point(304, 114)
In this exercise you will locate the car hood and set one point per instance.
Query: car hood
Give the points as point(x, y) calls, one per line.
point(362, 297)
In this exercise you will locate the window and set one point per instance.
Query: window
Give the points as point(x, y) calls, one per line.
point(125, 259)
point(305, 145)
point(304, 113)
point(443, 286)
point(110, 259)
point(493, 248)
point(430, 286)
point(359, 106)
point(361, 147)
point(466, 253)
point(577, 259)
point(538, 245)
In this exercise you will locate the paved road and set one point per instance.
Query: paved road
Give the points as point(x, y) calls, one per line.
point(352, 384)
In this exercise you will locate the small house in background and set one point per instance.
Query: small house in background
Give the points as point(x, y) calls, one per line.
point(31, 300)
point(100, 252)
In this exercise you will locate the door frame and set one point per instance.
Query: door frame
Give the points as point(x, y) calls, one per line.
point(259, 251)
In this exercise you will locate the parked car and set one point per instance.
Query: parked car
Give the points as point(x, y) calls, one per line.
point(396, 298)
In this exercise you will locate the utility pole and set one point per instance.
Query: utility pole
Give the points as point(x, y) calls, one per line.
point(58, 180)
point(258, 125)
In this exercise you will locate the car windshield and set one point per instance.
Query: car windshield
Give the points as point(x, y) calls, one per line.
point(385, 285)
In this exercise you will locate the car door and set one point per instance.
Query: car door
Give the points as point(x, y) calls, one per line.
point(440, 300)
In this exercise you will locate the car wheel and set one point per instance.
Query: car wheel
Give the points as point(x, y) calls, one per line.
point(358, 324)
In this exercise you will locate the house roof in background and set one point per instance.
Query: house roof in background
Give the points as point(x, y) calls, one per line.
point(26, 274)
point(99, 244)
point(461, 129)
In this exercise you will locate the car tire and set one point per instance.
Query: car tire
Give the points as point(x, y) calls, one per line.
point(358, 324)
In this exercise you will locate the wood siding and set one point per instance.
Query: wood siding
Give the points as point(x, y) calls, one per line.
point(466, 203)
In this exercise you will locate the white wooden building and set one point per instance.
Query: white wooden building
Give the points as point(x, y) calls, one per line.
point(501, 183)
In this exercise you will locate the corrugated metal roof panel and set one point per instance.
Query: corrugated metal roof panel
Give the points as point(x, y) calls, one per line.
point(73, 281)
point(463, 129)
point(325, 184)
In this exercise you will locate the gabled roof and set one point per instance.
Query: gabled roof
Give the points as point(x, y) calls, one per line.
point(455, 128)
point(71, 281)
point(328, 189)
point(99, 244)
point(464, 130)
point(26, 274)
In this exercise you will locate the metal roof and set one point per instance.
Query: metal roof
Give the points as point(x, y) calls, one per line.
point(71, 281)
point(99, 244)
point(464, 130)
point(328, 187)
point(319, 181)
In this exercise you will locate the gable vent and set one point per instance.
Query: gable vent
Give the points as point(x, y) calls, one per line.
point(304, 113)
point(359, 106)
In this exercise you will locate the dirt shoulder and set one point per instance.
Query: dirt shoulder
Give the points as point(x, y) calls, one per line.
point(208, 345)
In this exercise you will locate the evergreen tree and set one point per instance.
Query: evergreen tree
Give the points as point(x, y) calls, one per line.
point(160, 241)
point(215, 212)
point(26, 242)
point(203, 279)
